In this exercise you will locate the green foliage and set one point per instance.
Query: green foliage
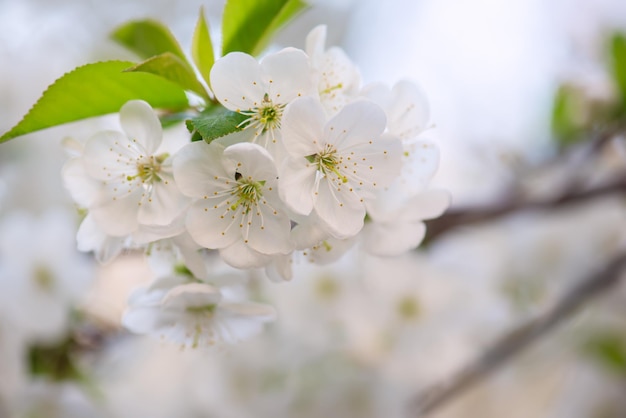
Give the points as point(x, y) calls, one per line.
point(618, 64)
point(202, 48)
point(54, 362)
point(248, 25)
point(94, 90)
point(609, 350)
point(215, 122)
point(164, 75)
point(172, 68)
point(147, 38)
point(568, 116)
point(171, 119)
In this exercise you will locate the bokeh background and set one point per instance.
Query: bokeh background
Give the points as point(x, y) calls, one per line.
point(341, 346)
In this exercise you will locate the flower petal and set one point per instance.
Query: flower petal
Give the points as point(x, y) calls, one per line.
point(142, 125)
point(374, 166)
point(341, 211)
point(236, 81)
point(426, 205)
point(163, 203)
point(213, 227)
point(316, 43)
point(303, 127)
point(408, 112)
point(392, 239)
point(421, 163)
point(118, 216)
point(241, 256)
point(84, 189)
point(269, 229)
point(288, 75)
point(358, 122)
point(195, 167)
point(298, 185)
point(107, 157)
point(252, 161)
point(91, 238)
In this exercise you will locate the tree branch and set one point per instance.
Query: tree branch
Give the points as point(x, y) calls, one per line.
point(519, 338)
point(469, 216)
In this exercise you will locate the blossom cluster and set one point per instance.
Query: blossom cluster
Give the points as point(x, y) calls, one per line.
point(319, 163)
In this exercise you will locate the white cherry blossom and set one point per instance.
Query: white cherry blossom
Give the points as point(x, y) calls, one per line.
point(334, 166)
point(261, 90)
point(337, 78)
point(134, 184)
point(238, 209)
point(193, 314)
point(41, 273)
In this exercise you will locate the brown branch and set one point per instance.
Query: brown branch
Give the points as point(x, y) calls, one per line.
point(469, 216)
point(519, 338)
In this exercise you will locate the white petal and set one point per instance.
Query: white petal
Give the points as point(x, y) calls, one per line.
point(252, 161)
point(373, 166)
point(108, 157)
point(142, 125)
point(279, 270)
point(142, 320)
point(91, 238)
point(83, 189)
point(149, 233)
point(236, 81)
point(341, 212)
point(393, 239)
point(241, 256)
point(408, 112)
point(195, 167)
point(297, 185)
point(118, 217)
point(303, 127)
point(163, 204)
point(213, 227)
point(358, 122)
point(269, 231)
point(287, 74)
point(421, 163)
point(316, 43)
point(308, 233)
point(426, 205)
point(191, 295)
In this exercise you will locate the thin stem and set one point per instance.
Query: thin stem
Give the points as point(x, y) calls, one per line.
point(518, 339)
point(469, 216)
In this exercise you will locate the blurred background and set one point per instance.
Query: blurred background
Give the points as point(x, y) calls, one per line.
point(360, 337)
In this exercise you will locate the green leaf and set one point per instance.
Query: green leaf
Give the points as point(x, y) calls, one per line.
point(172, 119)
point(147, 38)
point(618, 63)
point(610, 350)
point(215, 122)
point(248, 25)
point(202, 48)
point(569, 115)
point(95, 90)
point(172, 68)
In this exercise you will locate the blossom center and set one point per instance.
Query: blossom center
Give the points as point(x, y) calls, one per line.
point(248, 193)
point(206, 310)
point(44, 279)
point(265, 117)
point(148, 168)
point(328, 162)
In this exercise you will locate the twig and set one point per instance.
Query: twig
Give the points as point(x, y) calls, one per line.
point(515, 341)
point(468, 216)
